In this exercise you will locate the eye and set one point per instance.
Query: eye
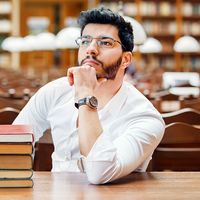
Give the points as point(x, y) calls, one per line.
point(106, 43)
point(85, 41)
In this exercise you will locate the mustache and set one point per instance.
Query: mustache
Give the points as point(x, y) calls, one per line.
point(92, 58)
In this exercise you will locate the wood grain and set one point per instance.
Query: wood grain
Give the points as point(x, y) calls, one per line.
point(137, 186)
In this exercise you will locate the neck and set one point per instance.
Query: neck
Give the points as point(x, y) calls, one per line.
point(107, 91)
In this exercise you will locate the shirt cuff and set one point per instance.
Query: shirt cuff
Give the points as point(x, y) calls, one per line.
point(81, 164)
point(102, 151)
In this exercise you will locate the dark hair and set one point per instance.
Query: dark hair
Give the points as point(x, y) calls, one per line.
point(106, 16)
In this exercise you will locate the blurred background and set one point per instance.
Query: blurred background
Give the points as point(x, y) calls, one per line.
point(37, 45)
point(37, 41)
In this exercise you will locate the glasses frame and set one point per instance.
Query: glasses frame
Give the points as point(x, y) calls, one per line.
point(98, 39)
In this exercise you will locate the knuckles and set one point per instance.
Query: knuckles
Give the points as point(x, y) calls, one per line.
point(84, 70)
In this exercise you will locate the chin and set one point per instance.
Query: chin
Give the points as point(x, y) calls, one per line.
point(101, 76)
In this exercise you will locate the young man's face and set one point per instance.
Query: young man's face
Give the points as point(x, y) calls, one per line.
point(102, 53)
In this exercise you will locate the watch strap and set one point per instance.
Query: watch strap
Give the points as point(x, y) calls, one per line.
point(90, 101)
point(81, 102)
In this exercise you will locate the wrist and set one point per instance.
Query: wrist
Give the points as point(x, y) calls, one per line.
point(82, 93)
point(90, 101)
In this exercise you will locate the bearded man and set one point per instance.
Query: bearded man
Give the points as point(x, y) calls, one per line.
point(100, 124)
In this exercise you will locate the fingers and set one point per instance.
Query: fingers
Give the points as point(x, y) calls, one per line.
point(70, 75)
point(72, 71)
point(82, 74)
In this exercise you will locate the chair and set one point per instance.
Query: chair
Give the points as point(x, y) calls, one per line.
point(43, 150)
point(10, 102)
point(179, 149)
point(185, 115)
point(191, 103)
point(166, 102)
point(8, 115)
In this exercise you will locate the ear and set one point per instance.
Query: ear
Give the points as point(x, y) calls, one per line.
point(126, 59)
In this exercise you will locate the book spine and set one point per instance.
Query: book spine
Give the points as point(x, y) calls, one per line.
point(16, 183)
point(16, 174)
point(16, 162)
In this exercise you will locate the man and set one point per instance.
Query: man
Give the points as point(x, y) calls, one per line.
point(100, 124)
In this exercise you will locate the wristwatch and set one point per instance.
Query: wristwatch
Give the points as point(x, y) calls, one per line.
point(90, 101)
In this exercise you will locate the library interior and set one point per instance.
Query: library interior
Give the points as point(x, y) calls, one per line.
point(37, 45)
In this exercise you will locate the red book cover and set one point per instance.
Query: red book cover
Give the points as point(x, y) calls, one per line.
point(16, 133)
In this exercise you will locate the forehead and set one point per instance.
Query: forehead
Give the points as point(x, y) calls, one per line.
point(98, 30)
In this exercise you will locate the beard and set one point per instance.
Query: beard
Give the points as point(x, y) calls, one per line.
point(110, 71)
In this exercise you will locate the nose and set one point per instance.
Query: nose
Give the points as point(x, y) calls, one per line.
point(92, 49)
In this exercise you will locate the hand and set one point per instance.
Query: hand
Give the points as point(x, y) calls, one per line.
point(84, 79)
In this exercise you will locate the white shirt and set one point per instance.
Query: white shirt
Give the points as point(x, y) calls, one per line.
point(132, 128)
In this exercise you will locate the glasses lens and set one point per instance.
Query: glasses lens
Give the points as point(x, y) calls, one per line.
point(101, 42)
point(83, 41)
point(106, 43)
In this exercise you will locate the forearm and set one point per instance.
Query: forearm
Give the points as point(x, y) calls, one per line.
point(86, 85)
point(89, 128)
point(110, 158)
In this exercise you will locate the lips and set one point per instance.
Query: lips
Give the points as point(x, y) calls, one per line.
point(90, 62)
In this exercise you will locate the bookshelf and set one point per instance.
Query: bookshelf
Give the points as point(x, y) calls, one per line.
point(5, 30)
point(58, 14)
point(9, 26)
point(165, 20)
point(190, 26)
point(54, 15)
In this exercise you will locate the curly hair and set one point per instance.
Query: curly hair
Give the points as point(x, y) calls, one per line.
point(106, 16)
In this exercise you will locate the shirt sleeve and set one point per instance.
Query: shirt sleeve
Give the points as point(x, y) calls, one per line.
point(111, 159)
point(35, 113)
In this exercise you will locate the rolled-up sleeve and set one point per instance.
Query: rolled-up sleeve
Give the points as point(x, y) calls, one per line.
point(111, 159)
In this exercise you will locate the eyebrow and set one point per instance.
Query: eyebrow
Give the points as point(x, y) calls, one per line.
point(105, 37)
point(101, 37)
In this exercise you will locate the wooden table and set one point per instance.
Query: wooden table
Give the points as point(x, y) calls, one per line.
point(137, 186)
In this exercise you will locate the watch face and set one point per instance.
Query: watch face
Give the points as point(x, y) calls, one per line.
point(93, 102)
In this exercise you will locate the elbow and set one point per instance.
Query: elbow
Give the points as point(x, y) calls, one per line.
point(96, 177)
point(98, 174)
point(95, 180)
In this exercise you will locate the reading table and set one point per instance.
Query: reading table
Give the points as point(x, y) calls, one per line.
point(137, 186)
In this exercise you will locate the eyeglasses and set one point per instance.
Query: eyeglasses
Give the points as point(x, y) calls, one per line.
point(103, 42)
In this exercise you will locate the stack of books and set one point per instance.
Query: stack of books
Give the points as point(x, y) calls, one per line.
point(16, 162)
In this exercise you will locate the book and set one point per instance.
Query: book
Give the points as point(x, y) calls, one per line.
point(17, 183)
point(16, 148)
point(16, 133)
point(16, 174)
point(15, 161)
